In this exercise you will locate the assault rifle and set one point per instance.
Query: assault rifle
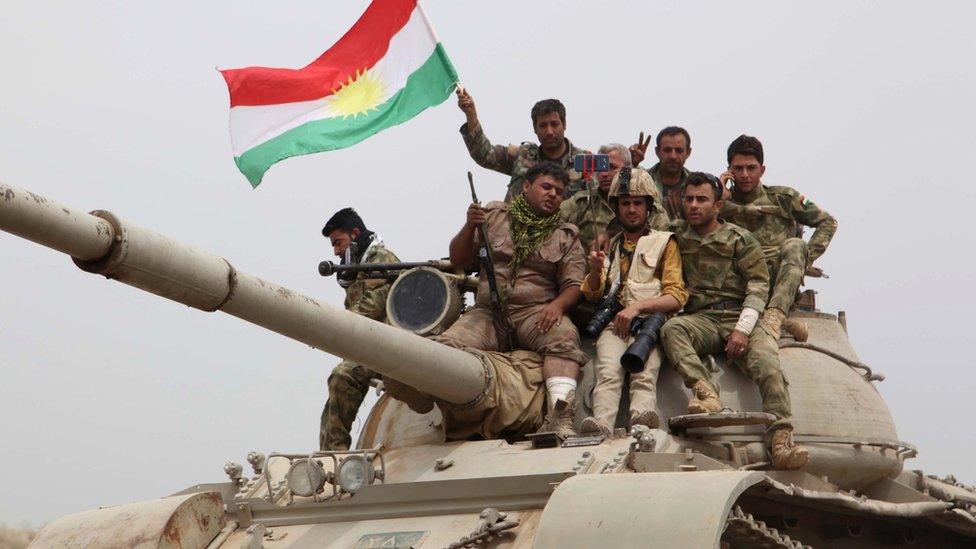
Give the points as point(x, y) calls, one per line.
point(497, 303)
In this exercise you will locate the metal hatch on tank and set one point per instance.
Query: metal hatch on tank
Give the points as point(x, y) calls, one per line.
point(409, 484)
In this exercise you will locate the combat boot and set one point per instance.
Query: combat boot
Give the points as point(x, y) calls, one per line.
point(785, 455)
point(417, 401)
point(772, 320)
point(593, 426)
point(796, 328)
point(648, 418)
point(560, 417)
point(706, 399)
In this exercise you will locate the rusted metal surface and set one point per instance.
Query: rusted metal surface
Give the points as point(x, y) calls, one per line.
point(180, 521)
point(54, 225)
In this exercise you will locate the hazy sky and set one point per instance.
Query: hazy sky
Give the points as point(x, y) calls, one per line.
point(109, 395)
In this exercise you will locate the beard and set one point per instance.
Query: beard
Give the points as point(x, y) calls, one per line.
point(635, 227)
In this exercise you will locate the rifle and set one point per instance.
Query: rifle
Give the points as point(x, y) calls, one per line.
point(497, 303)
point(392, 271)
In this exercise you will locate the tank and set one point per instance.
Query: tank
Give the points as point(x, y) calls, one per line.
point(465, 474)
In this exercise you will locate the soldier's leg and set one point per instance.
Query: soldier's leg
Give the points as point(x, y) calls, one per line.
point(685, 338)
point(788, 274)
point(348, 384)
point(761, 364)
point(562, 359)
point(475, 329)
point(643, 390)
point(609, 377)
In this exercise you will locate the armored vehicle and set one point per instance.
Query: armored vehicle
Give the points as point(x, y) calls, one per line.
point(464, 474)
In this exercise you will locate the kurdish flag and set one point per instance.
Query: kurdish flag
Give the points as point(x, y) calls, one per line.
point(384, 71)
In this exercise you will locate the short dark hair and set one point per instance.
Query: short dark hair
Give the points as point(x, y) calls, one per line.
point(746, 145)
point(697, 179)
point(549, 106)
point(346, 220)
point(673, 130)
point(551, 169)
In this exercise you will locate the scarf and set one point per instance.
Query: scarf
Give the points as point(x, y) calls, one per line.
point(357, 252)
point(528, 230)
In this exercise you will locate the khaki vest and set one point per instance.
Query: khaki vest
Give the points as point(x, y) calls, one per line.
point(642, 280)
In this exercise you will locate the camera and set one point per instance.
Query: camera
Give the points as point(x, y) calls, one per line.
point(590, 163)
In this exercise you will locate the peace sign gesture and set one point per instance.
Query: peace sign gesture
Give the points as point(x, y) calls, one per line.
point(639, 150)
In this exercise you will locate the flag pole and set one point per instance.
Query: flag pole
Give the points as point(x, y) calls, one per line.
point(437, 39)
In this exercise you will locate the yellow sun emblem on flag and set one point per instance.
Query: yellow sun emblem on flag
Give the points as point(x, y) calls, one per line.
point(359, 94)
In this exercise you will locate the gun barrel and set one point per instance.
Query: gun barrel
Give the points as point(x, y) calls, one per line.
point(328, 268)
point(102, 243)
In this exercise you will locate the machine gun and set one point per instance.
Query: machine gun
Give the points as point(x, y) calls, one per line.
point(497, 303)
point(425, 296)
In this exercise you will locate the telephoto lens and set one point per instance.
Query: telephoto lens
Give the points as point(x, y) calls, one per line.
point(646, 332)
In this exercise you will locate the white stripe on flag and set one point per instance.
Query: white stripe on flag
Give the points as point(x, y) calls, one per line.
point(409, 50)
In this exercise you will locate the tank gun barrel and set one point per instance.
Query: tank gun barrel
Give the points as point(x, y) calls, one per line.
point(99, 242)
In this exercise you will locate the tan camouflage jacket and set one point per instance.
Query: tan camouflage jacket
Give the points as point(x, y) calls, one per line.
point(591, 212)
point(515, 160)
point(368, 296)
point(771, 215)
point(726, 265)
point(557, 265)
point(670, 196)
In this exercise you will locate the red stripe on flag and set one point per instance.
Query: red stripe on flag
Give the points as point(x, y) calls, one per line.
point(360, 48)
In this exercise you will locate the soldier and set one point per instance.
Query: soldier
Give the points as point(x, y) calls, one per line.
point(726, 275)
point(772, 215)
point(353, 243)
point(549, 124)
point(590, 209)
point(649, 265)
point(672, 147)
point(539, 266)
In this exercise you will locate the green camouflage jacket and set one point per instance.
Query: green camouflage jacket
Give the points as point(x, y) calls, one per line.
point(515, 160)
point(726, 265)
point(368, 296)
point(771, 214)
point(591, 212)
point(670, 196)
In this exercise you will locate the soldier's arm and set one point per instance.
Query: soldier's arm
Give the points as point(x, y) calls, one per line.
point(462, 249)
point(570, 274)
point(825, 225)
point(751, 263)
point(494, 157)
point(372, 302)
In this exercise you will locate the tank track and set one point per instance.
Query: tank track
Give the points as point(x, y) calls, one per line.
point(742, 531)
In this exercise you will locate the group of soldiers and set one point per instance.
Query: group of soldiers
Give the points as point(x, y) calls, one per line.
point(720, 258)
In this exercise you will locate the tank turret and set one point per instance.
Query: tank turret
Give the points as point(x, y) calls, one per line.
point(462, 475)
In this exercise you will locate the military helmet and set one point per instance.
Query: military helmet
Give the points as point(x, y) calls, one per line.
point(631, 182)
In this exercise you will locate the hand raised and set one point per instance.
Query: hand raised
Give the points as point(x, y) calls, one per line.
point(465, 101)
point(639, 150)
point(596, 259)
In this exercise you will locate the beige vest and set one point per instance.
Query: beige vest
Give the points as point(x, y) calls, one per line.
point(642, 280)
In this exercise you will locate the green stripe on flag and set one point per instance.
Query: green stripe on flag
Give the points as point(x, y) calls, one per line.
point(429, 85)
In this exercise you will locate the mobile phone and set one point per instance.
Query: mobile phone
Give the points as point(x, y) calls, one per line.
point(589, 163)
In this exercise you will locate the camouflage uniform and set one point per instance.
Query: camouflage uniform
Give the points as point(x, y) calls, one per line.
point(724, 271)
point(515, 160)
point(558, 264)
point(349, 382)
point(670, 196)
point(771, 214)
point(592, 213)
